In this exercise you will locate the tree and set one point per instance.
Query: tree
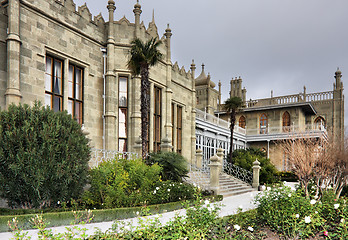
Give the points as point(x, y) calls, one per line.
point(43, 157)
point(320, 161)
point(143, 56)
point(231, 105)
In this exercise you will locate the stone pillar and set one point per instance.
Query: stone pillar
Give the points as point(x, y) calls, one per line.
point(166, 145)
point(168, 127)
point(199, 158)
point(220, 154)
point(13, 94)
point(137, 11)
point(138, 147)
point(256, 174)
point(215, 167)
point(110, 76)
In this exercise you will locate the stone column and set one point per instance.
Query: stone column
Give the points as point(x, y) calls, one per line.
point(256, 174)
point(138, 147)
point(220, 154)
point(166, 145)
point(13, 94)
point(193, 111)
point(199, 158)
point(215, 167)
point(110, 76)
point(168, 128)
point(137, 11)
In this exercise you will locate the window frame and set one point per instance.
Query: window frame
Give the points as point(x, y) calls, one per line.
point(73, 98)
point(263, 123)
point(157, 118)
point(53, 76)
point(124, 108)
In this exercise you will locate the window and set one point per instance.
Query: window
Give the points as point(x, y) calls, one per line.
point(122, 113)
point(75, 87)
point(157, 119)
point(263, 124)
point(54, 83)
point(173, 123)
point(319, 123)
point(242, 122)
point(286, 122)
point(179, 130)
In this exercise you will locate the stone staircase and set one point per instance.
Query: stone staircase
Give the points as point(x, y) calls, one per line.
point(229, 185)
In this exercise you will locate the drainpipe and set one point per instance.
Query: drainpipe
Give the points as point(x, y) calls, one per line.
point(104, 92)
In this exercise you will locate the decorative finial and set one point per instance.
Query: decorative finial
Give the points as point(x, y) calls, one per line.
point(203, 66)
point(153, 15)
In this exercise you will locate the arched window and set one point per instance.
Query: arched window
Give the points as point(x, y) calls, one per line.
point(263, 124)
point(286, 122)
point(242, 122)
point(319, 123)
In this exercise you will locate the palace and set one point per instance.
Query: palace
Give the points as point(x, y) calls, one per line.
point(62, 56)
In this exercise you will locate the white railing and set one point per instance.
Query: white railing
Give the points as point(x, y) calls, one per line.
point(217, 121)
point(288, 129)
point(100, 155)
point(294, 98)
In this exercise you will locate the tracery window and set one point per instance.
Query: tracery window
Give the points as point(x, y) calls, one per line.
point(286, 122)
point(263, 124)
point(319, 122)
point(242, 122)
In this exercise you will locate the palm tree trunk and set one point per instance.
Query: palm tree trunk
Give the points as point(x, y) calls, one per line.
point(233, 121)
point(144, 108)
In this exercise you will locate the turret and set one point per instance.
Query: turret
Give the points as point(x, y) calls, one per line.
point(137, 11)
point(168, 34)
point(236, 87)
point(338, 75)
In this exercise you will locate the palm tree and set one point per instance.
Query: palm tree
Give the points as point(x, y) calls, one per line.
point(231, 105)
point(142, 57)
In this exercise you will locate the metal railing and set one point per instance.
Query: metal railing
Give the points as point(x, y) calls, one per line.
point(238, 172)
point(308, 128)
point(217, 121)
point(100, 155)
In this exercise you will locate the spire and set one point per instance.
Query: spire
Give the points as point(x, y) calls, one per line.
point(168, 32)
point(338, 76)
point(153, 15)
point(193, 69)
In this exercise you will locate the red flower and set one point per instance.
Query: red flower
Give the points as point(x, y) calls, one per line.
point(326, 233)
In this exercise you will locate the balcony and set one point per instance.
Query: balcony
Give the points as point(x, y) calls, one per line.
point(279, 133)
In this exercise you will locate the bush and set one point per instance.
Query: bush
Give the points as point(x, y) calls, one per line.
point(245, 158)
point(170, 191)
point(43, 156)
point(174, 166)
point(121, 183)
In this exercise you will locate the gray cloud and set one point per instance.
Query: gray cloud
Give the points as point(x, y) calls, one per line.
point(273, 45)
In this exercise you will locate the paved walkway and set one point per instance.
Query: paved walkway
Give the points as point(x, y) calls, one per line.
point(230, 206)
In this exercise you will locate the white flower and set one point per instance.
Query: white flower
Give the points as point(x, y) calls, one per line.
point(157, 188)
point(289, 195)
point(137, 213)
point(58, 202)
point(342, 220)
point(316, 212)
point(168, 190)
point(237, 227)
point(297, 215)
point(250, 229)
point(307, 219)
point(127, 228)
point(316, 197)
point(336, 206)
point(206, 202)
point(154, 192)
point(269, 188)
point(293, 189)
point(313, 201)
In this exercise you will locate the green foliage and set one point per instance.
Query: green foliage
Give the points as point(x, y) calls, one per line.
point(43, 156)
point(174, 166)
point(245, 158)
point(121, 183)
point(170, 191)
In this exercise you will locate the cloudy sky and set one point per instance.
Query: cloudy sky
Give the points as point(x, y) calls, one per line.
point(272, 44)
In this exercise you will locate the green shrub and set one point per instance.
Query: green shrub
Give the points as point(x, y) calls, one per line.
point(170, 191)
point(121, 183)
point(43, 156)
point(245, 158)
point(174, 166)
